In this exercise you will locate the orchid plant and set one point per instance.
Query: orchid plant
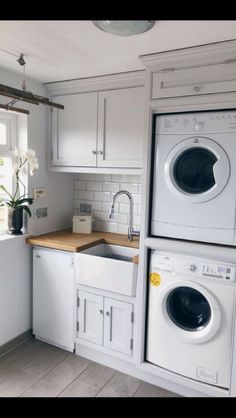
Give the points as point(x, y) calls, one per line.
point(25, 160)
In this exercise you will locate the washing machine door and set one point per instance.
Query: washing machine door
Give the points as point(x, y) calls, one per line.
point(197, 169)
point(191, 311)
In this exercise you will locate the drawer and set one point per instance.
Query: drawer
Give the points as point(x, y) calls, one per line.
point(220, 78)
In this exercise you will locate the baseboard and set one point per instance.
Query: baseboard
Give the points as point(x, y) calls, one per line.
point(20, 339)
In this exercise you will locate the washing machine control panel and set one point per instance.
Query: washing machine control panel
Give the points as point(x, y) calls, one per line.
point(211, 270)
point(218, 271)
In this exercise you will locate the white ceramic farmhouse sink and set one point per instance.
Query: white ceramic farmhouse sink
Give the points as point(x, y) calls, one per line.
point(108, 267)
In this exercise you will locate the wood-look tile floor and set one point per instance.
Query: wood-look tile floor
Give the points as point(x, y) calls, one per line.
point(37, 369)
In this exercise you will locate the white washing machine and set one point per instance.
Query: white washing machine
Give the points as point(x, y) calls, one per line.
point(190, 327)
point(194, 177)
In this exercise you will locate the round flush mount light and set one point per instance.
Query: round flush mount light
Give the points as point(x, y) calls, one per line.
point(124, 27)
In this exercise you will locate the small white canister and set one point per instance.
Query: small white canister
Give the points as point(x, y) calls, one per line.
point(82, 224)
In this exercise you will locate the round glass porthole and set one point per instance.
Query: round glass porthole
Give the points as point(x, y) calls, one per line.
point(188, 308)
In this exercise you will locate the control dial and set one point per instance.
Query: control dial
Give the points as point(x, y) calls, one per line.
point(198, 126)
point(190, 267)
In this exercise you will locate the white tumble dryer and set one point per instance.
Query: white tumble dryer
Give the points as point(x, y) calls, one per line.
point(194, 176)
point(191, 310)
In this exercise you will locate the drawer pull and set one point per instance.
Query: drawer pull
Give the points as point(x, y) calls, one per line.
point(197, 88)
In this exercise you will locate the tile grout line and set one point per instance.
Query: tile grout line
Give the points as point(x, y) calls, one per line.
point(36, 381)
point(137, 389)
point(73, 380)
point(115, 372)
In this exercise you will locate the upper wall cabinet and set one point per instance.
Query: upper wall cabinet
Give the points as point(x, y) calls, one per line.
point(74, 130)
point(194, 74)
point(101, 126)
point(120, 127)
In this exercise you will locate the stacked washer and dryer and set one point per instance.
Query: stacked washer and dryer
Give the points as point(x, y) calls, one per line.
point(191, 304)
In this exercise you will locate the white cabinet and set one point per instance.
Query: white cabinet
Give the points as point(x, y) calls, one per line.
point(105, 322)
point(53, 297)
point(209, 79)
point(120, 127)
point(74, 130)
point(101, 126)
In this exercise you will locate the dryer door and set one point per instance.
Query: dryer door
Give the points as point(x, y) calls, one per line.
point(191, 311)
point(197, 169)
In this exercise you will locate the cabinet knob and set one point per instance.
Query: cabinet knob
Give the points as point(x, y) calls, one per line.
point(38, 256)
point(197, 88)
point(94, 152)
point(107, 313)
point(100, 152)
point(100, 311)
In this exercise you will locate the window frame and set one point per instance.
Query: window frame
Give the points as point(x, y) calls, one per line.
point(10, 121)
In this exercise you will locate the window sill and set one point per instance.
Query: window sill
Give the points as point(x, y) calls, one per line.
point(6, 236)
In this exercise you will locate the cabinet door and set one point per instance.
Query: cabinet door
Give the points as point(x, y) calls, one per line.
point(118, 325)
point(53, 297)
point(90, 317)
point(121, 127)
point(74, 130)
point(219, 78)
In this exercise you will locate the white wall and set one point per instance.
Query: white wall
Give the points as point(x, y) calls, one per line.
point(15, 255)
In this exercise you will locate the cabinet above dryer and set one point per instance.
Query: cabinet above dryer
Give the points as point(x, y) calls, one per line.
point(101, 127)
point(192, 72)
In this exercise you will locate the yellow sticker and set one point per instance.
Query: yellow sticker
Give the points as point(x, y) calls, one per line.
point(155, 279)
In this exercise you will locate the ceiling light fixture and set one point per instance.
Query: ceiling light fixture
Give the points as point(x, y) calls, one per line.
point(124, 27)
point(23, 95)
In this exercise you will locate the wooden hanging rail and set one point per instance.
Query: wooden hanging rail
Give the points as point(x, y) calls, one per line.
point(15, 109)
point(26, 97)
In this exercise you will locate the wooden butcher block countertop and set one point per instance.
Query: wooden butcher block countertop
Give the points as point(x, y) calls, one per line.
point(66, 240)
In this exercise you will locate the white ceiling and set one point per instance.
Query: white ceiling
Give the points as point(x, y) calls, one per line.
point(61, 50)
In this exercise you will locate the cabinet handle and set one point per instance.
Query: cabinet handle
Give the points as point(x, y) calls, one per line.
point(107, 313)
point(100, 311)
point(197, 88)
point(38, 256)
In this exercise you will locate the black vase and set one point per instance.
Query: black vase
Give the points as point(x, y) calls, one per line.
point(15, 220)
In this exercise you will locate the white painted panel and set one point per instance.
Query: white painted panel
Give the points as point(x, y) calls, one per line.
point(121, 127)
point(74, 130)
point(90, 317)
point(118, 325)
point(53, 297)
point(200, 80)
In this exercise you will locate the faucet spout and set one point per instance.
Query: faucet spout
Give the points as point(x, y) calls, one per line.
point(131, 231)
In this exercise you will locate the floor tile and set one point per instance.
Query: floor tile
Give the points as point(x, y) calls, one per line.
point(120, 385)
point(79, 389)
point(97, 374)
point(15, 384)
point(150, 391)
point(54, 382)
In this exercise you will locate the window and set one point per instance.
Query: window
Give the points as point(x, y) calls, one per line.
point(7, 144)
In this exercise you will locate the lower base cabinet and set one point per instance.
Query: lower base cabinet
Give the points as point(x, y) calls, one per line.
point(53, 297)
point(105, 322)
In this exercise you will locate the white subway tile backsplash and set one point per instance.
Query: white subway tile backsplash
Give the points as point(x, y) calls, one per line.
point(102, 196)
point(95, 205)
point(135, 179)
point(120, 178)
point(85, 194)
point(80, 185)
point(106, 207)
point(98, 191)
point(130, 187)
point(110, 187)
point(94, 185)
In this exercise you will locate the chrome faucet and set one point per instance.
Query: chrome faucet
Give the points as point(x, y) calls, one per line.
point(131, 231)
